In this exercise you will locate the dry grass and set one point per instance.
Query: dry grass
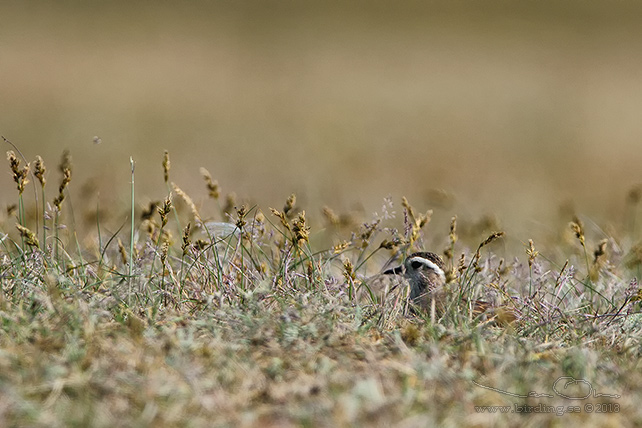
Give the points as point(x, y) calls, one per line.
point(235, 318)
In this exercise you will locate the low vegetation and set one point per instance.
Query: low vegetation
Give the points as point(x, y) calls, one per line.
point(245, 316)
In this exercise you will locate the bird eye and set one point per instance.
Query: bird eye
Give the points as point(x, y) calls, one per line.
point(416, 265)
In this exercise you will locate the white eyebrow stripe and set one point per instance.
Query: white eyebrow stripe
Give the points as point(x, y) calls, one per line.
point(431, 265)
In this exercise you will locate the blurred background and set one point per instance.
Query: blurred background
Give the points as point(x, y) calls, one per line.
point(506, 108)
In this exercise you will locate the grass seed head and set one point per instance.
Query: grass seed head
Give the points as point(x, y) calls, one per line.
point(289, 205)
point(331, 216)
point(424, 219)
point(66, 179)
point(186, 238)
point(408, 208)
point(164, 252)
point(259, 217)
point(27, 234)
point(531, 252)
point(451, 274)
point(201, 244)
point(461, 267)
point(165, 210)
point(452, 236)
point(300, 229)
point(241, 213)
point(39, 170)
point(282, 218)
point(494, 236)
point(501, 269)
point(14, 162)
point(420, 221)
point(632, 292)
point(65, 161)
point(340, 247)
point(413, 223)
point(166, 166)
point(212, 185)
point(123, 252)
point(188, 201)
point(348, 270)
point(367, 230)
point(453, 230)
point(19, 174)
point(392, 244)
point(258, 226)
point(600, 250)
point(578, 229)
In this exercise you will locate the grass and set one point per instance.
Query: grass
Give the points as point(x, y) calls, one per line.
point(248, 319)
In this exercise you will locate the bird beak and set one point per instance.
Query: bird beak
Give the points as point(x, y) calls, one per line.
point(394, 271)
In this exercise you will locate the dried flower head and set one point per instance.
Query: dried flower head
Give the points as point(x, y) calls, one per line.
point(165, 210)
point(258, 226)
point(408, 208)
point(392, 244)
point(348, 270)
point(39, 170)
point(28, 235)
point(281, 217)
point(19, 174)
point(186, 238)
point(122, 251)
point(201, 244)
point(300, 229)
point(531, 252)
point(600, 250)
point(413, 223)
point(164, 252)
point(633, 290)
point(166, 166)
point(453, 231)
point(331, 216)
point(259, 217)
point(451, 274)
point(187, 201)
point(367, 230)
point(241, 213)
point(66, 179)
point(578, 229)
point(212, 185)
point(494, 236)
point(14, 162)
point(461, 267)
point(340, 247)
point(65, 161)
point(289, 205)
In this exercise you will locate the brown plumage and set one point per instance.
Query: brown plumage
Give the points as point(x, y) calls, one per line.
point(421, 280)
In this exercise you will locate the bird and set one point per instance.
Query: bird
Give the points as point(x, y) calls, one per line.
point(421, 280)
point(426, 274)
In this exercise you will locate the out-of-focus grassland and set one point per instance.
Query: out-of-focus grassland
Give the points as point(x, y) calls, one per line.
point(512, 108)
point(210, 312)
